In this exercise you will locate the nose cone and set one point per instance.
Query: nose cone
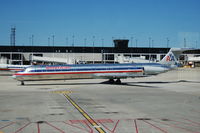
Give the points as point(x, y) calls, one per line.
point(17, 76)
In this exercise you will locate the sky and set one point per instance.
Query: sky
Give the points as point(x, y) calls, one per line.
point(87, 22)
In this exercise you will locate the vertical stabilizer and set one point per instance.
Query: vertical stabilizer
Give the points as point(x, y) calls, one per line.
point(170, 58)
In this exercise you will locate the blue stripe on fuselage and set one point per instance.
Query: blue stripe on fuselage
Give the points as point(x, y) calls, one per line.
point(98, 65)
point(152, 64)
point(95, 67)
point(86, 69)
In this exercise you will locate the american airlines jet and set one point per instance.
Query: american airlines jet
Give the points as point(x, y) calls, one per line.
point(106, 71)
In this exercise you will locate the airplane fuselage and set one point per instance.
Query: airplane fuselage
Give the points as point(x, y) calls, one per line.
point(84, 71)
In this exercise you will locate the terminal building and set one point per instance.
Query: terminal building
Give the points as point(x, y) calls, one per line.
point(26, 55)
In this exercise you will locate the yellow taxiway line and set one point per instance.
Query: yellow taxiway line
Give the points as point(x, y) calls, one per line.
point(89, 119)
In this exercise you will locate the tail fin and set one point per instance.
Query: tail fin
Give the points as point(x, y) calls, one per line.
point(170, 58)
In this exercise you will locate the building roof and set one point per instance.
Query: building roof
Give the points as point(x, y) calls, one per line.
point(75, 49)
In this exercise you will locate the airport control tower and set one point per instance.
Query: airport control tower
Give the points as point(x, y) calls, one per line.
point(121, 43)
point(12, 36)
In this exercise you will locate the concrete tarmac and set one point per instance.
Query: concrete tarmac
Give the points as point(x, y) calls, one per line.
point(169, 103)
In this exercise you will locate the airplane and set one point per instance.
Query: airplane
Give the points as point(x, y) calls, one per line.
point(79, 71)
point(106, 71)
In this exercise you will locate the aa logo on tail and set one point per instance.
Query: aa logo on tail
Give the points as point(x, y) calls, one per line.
point(170, 57)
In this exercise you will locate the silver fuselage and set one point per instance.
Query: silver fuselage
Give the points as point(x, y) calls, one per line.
point(86, 71)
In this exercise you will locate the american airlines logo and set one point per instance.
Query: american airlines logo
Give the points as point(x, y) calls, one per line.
point(170, 57)
point(57, 67)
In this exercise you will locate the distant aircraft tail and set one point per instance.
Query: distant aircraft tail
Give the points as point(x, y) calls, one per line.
point(170, 59)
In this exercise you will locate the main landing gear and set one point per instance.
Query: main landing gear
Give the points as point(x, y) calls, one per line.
point(22, 82)
point(118, 81)
point(112, 81)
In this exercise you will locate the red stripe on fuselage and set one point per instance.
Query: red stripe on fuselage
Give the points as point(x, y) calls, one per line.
point(10, 69)
point(21, 74)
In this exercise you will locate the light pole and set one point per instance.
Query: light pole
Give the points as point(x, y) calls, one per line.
point(167, 42)
point(32, 40)
point(73, 41)
point(149, 42)
point(131, 47)
point(149, 48)
point(113, 41)
point(152, 43)
point(136, 41)
point(53, 40)
point(53, 45)
point(196, 44)
point(131, 41)
point(93, 47)
point(48, 41)
point(102, 41)
point(66, 41)
point(85, 41)
point(112, 48)
point(184, 42)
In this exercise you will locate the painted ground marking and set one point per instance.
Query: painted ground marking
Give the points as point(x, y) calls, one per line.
point(84, 114)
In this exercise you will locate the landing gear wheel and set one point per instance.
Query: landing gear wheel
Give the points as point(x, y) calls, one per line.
point(22, 82)
point(118, 81)
point(111, 81)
